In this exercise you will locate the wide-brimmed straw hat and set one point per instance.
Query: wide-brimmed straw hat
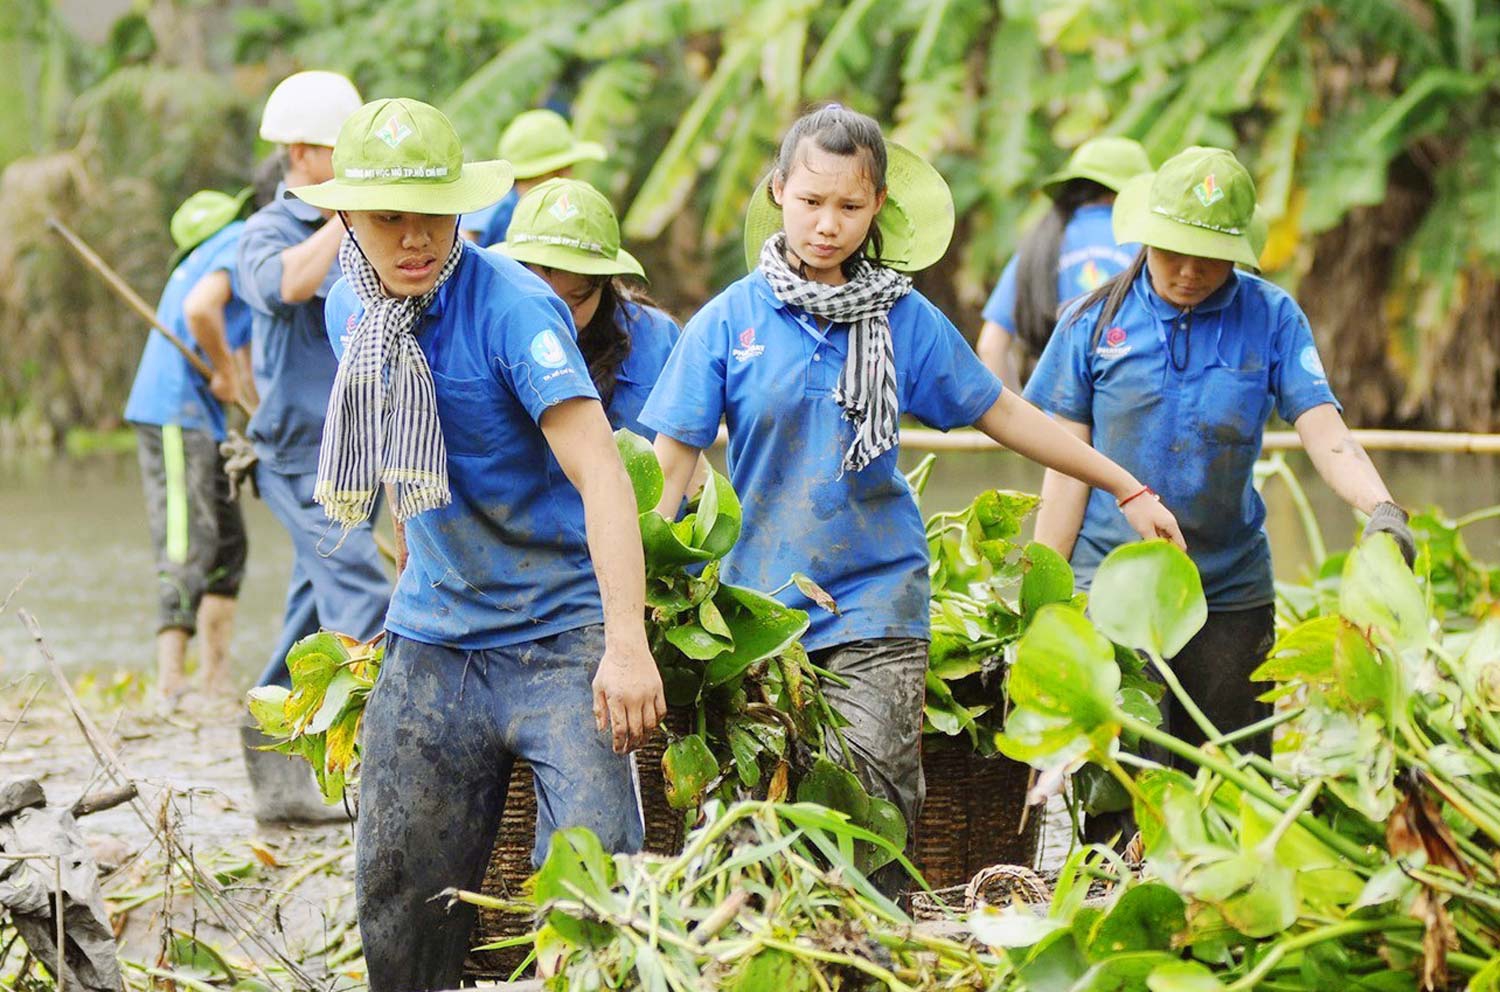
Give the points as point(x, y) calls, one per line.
point(916, 222)
point(569, 225)
point(1200, 202)
point(404, 155)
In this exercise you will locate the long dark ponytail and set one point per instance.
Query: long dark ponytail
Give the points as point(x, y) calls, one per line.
point(1036, 265)
point(605, 339)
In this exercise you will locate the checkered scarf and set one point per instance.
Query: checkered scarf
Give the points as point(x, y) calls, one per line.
point(382, 423)
point(867, 385)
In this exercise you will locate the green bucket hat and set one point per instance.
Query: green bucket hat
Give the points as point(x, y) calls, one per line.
point(1107, 161)
point(201, 216)
point(404, 155)
point(540, 141)
point(916, 222)
point(1200, 202)
point(568, 224)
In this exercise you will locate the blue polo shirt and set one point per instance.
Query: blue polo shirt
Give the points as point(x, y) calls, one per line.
point(769, 371)
point(1088, 258)
point(652, 335)
point(167, 390)
point(506, 562)
point(289, 344)
point(492, 222)
point(1193, 434)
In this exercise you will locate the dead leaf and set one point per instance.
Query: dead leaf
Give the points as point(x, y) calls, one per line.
point(264, 854)
point(815, 592)
point(1416, 825)
point(1438, 938)
point(776, 791)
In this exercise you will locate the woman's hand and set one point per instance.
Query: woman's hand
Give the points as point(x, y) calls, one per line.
point(1150, 519)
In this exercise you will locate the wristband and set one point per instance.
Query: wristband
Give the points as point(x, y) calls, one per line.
point(1143, 491)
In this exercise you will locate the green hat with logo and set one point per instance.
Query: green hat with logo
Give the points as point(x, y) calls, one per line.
point(916, 222)
point(1200, 202)
point(404, 155)
point(568, 224)
point(1108, 161)
point(540, 141)
point(201, 216)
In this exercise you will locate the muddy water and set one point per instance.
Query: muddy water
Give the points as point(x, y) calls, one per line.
point(75, 530)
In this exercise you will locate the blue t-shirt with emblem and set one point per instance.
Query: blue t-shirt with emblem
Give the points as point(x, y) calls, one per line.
point(652, 335)
point(506, 562)
point(769, 371)
point(491, 223)
point(1087, 259)
point(167, 390)
point(289, 350)
point(1192, 433)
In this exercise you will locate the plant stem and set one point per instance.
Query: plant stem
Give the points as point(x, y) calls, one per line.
point(1258, 727)
point(847, 960)
point(1488, 513)
point(1206, 725)
point(1310, 527)
point(1338, 931)
point(1466, 962)
point(1267, 847)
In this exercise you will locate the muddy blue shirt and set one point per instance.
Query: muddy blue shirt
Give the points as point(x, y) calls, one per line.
point(289, 345)
point(491, 223)
point(167, 390)
point(769, 371)
point(506, 561)
point(1190, 429)
point(1088, 258)
point(652, 335)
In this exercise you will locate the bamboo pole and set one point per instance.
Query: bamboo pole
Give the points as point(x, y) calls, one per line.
point(1436, 442)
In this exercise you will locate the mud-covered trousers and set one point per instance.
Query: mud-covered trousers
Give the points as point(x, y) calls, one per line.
point(883, 703)
point(441, 731)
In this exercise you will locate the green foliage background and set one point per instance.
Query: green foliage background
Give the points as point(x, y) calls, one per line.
point(1372, 127)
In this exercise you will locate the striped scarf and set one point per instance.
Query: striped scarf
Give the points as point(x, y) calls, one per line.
point(867, 385)
point(382, 423)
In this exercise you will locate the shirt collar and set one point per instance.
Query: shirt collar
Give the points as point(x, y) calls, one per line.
point(763, 287)
point(300, 209)
point(1217, 300)
point(440, 298)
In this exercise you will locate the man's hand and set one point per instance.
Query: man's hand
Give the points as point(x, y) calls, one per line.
point(225, 385)
point(628, 696)
point(1388, 518)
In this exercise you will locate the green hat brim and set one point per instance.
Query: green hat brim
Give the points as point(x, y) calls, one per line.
point(1134, 220)
point(570, 259)
point(582, 151)
point(1054, 183)
point(478, 185)
point(916, 223)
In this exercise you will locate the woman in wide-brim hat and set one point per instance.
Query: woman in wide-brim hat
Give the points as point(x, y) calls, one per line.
point(1069, 252)
point(811, 359)
point(1172, 369)
point(566, 232)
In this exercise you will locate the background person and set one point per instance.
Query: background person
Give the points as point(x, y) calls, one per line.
point(1071, 251)
point(811, 359)
point(197, 530)
point(539, 145)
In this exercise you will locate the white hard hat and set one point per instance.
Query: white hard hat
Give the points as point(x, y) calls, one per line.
point(308, 108)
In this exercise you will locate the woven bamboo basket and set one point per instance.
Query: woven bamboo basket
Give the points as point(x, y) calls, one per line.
point(975, 816)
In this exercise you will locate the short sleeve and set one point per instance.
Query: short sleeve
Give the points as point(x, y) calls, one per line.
point(1000, 308)
point(340, 315)
point(687, 401)
point(536, 353)
point(1298, 381)
point(947, 385)
point(259, 265)
point(478, 221)
point(1063, 383)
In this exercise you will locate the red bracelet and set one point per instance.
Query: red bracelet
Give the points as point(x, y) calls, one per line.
point(1144, 490)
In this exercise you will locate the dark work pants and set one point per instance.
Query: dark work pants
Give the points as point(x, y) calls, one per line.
point(441, 731)
point(1215, 670)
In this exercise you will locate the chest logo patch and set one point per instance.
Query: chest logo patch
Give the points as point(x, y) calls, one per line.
point(1114, 344)
point(748, 349)
point(548, 350)
point(1311, 362)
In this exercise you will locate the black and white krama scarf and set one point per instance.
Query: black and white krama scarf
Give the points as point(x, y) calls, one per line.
point(382, 423)
point(867, 385)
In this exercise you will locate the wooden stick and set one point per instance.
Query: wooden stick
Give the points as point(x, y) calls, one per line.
point(134, 301)
point(98, 802)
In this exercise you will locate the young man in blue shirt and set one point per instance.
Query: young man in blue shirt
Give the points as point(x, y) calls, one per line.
point(517, 625)
point(287, 263)
point(198, 531)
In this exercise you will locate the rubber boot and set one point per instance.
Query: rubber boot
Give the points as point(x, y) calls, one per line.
point(282, 787)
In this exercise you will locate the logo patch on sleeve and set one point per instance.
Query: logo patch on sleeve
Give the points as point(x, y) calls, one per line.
point(1311, 362)
point(548, 350)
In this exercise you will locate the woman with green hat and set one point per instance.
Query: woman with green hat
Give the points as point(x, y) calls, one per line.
point(517, 624)
point(1172, 369)
point(811, 359)
point(565, 231)
point(539, 145)
point(1069, 252)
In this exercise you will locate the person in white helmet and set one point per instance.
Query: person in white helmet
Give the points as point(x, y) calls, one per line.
point(288, 261)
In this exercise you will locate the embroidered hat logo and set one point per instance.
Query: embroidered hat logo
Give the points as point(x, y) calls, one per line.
point(564, 209)
point(394, 131)
point(1208, 191)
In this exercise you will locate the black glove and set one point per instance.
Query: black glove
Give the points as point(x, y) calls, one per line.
point(1388, 518)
